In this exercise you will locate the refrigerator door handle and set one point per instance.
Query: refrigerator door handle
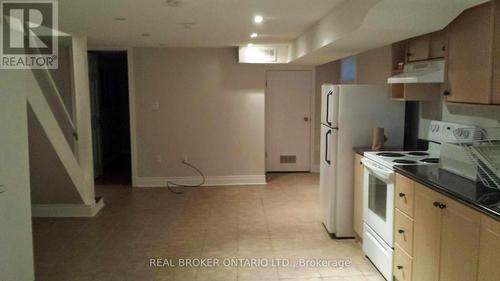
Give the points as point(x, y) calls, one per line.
point(327, 153)
point(328, 106)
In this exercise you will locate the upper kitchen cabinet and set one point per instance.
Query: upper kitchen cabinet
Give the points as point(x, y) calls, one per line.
point(439, 44)
point(473, 56)
point(428, 46)
point(415, 59)
point(419, 48)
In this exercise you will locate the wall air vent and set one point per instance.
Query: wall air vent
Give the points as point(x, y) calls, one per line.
point(263, 54)
point(288, 159)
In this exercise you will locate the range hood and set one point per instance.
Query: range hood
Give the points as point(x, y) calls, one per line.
point(420, 72)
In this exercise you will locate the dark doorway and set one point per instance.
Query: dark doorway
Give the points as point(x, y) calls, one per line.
point(108, 73)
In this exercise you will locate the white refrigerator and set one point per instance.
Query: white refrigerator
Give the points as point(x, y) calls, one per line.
point(348, 115)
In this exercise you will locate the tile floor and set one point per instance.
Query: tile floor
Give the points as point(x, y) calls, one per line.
point(277, 221)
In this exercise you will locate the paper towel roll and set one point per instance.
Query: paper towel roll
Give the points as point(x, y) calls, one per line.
point(378, 138)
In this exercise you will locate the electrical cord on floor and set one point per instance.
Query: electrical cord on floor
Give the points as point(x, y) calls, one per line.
point(170, 184)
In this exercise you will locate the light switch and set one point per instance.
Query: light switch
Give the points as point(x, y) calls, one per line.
point(155, 105)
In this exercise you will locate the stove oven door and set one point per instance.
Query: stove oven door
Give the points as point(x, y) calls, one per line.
point(378, 199)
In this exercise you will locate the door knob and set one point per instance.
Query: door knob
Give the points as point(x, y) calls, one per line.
point(306, 119)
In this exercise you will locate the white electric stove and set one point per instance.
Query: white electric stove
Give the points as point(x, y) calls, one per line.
point(378, 201)
point(392, 158)
point(378, 190)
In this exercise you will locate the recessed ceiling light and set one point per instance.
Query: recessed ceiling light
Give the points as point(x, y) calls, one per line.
point(174, 3)
point(253, 35)
point(120, 19)
point(258, 19)
point(145, 34)
point(250, 45)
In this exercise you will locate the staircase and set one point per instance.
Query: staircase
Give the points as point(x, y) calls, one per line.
point(60, 144)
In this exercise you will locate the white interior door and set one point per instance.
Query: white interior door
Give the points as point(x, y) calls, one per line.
point(288, 128)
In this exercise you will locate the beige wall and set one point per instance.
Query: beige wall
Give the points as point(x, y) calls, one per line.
point(374, 66)
point(211, 111)
point(50, 184)
point(325, 73)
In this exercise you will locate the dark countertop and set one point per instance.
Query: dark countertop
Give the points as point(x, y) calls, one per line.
point(473, 194)
point(361, 150)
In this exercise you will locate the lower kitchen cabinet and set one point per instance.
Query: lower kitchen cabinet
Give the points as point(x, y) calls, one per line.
point(446, 238)
point(451, 241)
point(358, 195)
point(460, 229)
point(426, 235)
point(489, 250)
point(403, 231)
point(402, 265)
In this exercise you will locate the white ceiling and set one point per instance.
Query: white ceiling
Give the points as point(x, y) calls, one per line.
point(356, 26)
point(218, 22)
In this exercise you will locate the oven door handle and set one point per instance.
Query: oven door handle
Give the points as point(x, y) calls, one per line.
point(376, 170)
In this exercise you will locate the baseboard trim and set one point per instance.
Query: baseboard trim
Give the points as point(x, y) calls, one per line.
point(314, 168)
point(209, 180)
point(66, 210)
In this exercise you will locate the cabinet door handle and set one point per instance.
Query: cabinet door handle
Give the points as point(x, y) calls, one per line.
point(442, 206)
point(402, 194)
point(399, 267)
point(436, 204)
point(446, 93)
point(401, 231)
